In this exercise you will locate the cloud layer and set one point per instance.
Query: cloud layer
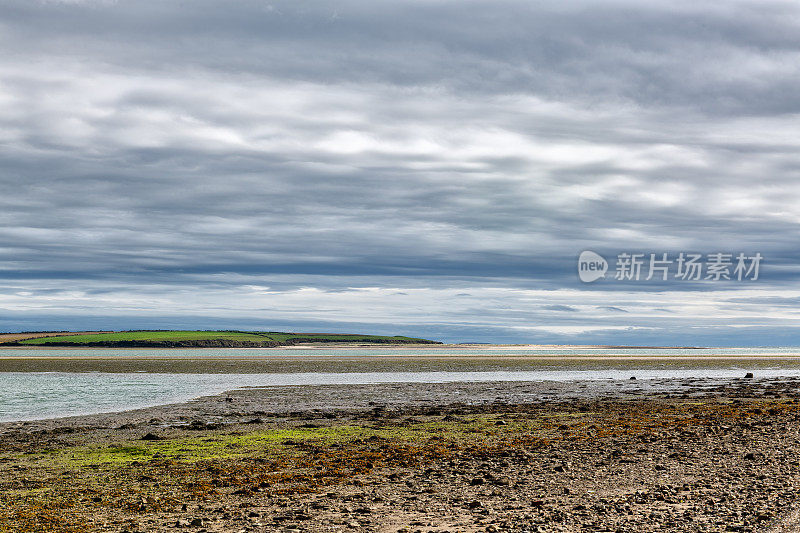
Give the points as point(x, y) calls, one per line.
point(425, 166)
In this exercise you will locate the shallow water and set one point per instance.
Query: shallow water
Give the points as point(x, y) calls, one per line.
point(32, 395)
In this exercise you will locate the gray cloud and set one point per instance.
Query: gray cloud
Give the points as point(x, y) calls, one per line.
point(560, 308)
point(161, 147)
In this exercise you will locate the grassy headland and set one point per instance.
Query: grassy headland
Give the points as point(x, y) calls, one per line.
point(204, 339)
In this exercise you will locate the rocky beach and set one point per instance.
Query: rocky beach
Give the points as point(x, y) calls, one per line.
point(670, 456)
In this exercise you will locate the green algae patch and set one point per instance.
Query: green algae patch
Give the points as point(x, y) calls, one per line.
point(280, 443)
point(266, 444)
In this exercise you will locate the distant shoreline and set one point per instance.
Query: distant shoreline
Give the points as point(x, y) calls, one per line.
point(347, 345)
point(167, 339)
point(180, 339)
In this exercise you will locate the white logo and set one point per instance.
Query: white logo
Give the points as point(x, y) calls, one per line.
point(591, 266)
point(664, 266)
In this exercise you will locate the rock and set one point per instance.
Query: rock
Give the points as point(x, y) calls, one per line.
point(632, 378)
point(476, 481)
point(199, 425)
point(197, 522)
point(151, 436)
point(749, 375)
point(182, 522)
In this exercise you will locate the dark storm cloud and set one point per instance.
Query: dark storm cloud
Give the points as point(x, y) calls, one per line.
point(660, 52)
point(157, 147)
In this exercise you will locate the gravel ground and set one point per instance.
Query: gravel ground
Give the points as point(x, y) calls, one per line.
point(689, 456)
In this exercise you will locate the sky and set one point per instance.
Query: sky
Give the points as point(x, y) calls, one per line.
point(430, 168)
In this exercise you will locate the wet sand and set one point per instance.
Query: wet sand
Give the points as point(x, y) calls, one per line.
point(201, 361)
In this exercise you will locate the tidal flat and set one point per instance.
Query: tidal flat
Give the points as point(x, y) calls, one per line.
point(326, 359)
point(418, 457)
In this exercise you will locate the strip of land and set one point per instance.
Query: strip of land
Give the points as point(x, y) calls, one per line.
point(373, 361)
point(418, 457)
point(194, 339)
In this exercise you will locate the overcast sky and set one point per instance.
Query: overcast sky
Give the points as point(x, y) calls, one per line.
point(430, 168)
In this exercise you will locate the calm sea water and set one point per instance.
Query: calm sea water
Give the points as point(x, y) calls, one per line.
point(27, 395)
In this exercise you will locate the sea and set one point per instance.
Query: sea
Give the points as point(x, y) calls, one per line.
point(50, 383)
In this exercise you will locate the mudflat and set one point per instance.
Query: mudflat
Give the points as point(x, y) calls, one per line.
point(246, 361)
point(417, 458)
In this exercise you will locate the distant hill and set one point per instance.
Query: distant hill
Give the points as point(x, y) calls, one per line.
point(198, 339)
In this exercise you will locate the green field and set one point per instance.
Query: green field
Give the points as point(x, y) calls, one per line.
point(148, 336)
point(210, 339)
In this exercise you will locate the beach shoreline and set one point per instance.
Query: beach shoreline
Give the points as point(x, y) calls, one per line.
point(489, 456)
point(237, 405)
